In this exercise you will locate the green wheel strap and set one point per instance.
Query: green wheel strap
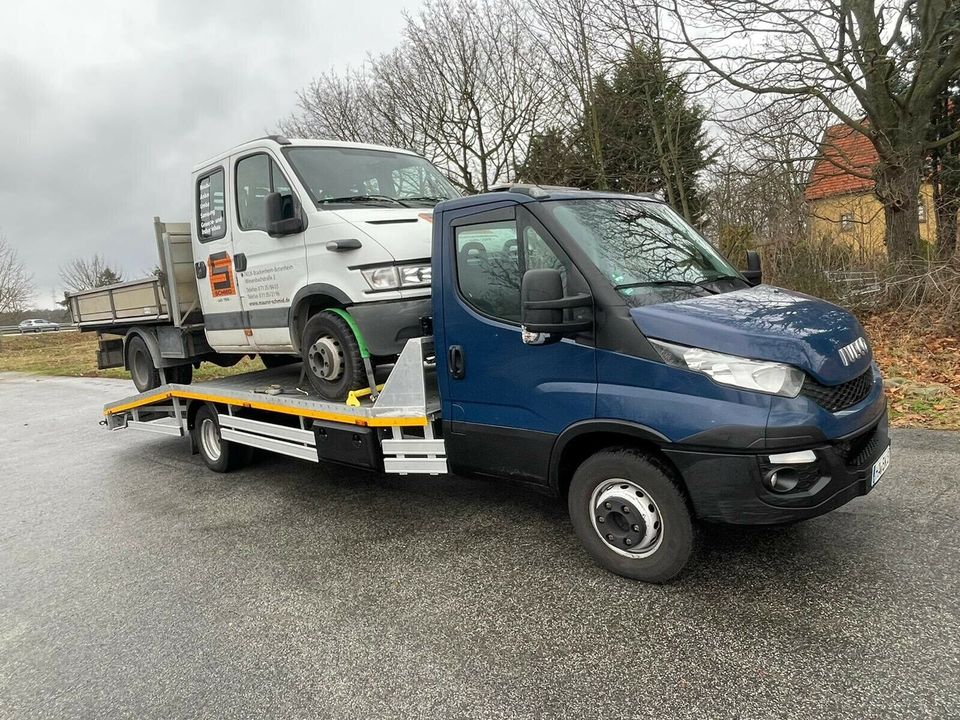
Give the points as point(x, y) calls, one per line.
point(364, 353)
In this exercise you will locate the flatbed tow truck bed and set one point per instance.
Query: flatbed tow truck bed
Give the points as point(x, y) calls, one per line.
point(267, 409)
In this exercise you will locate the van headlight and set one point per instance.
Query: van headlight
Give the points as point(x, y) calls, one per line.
point(392, 277)
point(757, 375)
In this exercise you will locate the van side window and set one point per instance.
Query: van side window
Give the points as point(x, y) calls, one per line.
point(257, 176)
point(491, 263)
point(211, 208)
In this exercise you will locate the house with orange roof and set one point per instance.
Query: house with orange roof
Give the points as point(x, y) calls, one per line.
point(841, 204)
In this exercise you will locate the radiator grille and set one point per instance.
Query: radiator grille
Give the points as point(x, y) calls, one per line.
point(839, 397)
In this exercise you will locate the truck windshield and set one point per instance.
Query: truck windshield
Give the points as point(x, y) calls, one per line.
point(377, 178)
point(646, 251)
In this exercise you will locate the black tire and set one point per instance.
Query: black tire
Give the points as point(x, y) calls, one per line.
point(140, 363)
point(179, 374)
point(638, 487)
point(336, 368)
point(219, 455)
point(275, 361)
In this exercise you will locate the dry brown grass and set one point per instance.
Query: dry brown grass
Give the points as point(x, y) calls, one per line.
point(74, 354)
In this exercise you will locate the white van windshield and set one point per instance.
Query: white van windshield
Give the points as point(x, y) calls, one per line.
point(356, 176)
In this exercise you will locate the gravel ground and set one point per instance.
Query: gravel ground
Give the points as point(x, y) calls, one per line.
point(135, 583)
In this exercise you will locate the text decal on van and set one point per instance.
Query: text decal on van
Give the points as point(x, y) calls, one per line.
point(220, 266)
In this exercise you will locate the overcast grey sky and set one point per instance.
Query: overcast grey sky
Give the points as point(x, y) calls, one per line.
point(105, 106)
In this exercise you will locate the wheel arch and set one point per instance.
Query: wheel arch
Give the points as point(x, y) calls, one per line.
point(310, 300)
point(581, 440)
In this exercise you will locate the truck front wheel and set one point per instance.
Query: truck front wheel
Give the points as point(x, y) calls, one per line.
point(331, 356)
point(631, 516)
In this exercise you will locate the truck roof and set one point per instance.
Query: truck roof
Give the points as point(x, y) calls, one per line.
point(526, 193)
point(279, 141)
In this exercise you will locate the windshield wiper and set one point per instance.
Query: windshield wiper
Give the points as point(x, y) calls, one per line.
point(425, 198)
point(362, 198)
point(679, 283)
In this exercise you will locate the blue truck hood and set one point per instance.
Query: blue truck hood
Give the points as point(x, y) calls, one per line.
point(764, 323)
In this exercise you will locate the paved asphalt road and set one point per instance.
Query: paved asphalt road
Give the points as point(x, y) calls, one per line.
point(135, 583)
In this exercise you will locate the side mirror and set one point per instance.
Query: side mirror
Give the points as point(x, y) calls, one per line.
point(542, 304)
point(753, 273)
point(283, 215)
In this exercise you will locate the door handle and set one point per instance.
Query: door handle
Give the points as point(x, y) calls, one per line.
point(201, 270)
point(455, 362)
point(239, 262)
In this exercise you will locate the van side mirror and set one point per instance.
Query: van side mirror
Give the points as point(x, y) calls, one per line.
point(541, 308)
point(283, 215)
point(753, 273)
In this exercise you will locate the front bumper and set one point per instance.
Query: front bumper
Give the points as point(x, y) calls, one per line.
point(386, 326)
point(729, 488)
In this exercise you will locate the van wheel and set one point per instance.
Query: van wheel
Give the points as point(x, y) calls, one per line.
point(331, 357)
point(220, 455)
point(140, 362)
point(631, 516)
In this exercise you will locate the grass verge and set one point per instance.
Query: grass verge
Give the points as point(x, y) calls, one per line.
point(921, 369)
point(74, 354)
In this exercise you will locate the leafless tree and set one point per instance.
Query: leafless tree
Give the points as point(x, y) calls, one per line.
point(462, 89)
point(86, 273)
point(877, 67)
point(16, 284)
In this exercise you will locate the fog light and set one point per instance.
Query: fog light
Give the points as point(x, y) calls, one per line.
point(783, 480)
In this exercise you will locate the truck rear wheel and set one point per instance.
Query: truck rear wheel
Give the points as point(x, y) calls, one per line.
point(220, 455)
point(331, 357)
point(631, 516)
point(140, 363)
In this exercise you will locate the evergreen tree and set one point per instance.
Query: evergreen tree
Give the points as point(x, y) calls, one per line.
point(651, 137)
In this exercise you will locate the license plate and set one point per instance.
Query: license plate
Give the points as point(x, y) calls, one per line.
point(880, 467)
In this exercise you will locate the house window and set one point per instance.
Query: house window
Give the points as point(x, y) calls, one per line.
point(921, 210)
point(846, 222)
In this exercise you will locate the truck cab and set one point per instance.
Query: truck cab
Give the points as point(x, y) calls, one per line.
point(571, 323)
point(317, 250)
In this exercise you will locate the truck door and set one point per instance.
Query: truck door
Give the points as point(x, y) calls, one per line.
point(269, 268)
point(504, 402)
point(214, 262)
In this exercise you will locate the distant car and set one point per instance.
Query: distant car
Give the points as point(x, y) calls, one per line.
point(38, 325)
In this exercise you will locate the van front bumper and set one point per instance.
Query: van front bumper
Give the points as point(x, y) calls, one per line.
point(729, 487)
point(386, 326)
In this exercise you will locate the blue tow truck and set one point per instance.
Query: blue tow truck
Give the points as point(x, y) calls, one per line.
point(593, 346)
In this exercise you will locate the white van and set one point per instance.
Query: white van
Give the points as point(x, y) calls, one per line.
point(301, 249)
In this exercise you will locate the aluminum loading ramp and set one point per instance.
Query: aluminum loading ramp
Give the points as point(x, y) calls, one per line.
point(405, 409)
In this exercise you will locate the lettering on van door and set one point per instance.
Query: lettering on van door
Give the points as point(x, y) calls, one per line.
point(267, 285)
point(220, 272)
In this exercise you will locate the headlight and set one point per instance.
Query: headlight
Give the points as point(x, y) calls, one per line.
point(758, 375)
point(390, 277)
point(415, 275)
point(382, 278)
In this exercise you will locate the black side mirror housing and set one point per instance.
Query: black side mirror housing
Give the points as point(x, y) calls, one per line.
point(283, 215)
point(753, 273)
point(542, 304)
